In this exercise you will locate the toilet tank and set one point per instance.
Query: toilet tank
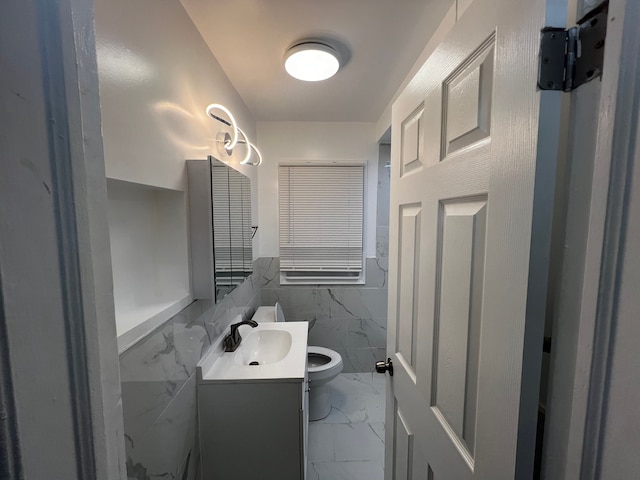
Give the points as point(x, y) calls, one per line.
point(269, 314)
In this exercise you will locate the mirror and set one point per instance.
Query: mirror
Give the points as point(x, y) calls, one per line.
point(232, 232)
point(221, 230)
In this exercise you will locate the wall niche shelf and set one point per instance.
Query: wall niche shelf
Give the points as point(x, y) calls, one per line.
point(149, 255)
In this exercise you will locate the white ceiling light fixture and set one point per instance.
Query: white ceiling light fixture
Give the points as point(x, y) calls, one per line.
point(312, 61)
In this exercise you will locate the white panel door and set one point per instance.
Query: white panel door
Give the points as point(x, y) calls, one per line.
point(473, 171)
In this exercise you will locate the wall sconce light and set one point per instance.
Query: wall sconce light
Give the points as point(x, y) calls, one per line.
point(227, 142)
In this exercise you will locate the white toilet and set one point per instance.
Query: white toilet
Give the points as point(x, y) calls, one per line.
point(323, 365)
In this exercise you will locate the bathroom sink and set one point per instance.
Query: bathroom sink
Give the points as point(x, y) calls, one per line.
point(275, 351)
point(263, 347)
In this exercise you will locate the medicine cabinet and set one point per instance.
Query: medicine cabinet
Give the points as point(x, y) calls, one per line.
point(220, 227)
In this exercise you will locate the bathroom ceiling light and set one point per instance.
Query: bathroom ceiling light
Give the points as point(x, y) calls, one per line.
point(312, 61)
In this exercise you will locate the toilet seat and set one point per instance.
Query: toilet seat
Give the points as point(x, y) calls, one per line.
point(328, 370)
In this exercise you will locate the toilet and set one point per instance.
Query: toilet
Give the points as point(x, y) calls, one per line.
point(323, 365)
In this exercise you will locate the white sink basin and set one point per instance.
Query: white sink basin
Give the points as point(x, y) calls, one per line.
point(263, 347)
point(279, 348)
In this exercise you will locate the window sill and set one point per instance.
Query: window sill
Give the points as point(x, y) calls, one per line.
point(306, 281)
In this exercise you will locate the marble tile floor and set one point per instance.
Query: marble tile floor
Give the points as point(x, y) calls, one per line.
point(349, 443)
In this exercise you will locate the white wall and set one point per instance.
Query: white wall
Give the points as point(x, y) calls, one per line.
point(313, 141)
point(449, 20)
point(157, 76)
point(151, 268)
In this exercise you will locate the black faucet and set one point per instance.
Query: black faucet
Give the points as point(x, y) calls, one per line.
point(232, 341)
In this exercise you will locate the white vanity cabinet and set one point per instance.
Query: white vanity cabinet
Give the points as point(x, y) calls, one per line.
point(253, 405)
point(255, 429)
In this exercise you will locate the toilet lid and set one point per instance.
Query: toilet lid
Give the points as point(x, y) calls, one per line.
point(278, 314)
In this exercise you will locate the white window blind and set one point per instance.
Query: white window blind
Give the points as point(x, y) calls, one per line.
point(321, 217)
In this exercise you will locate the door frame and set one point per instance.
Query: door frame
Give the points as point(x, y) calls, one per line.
point(95, 334)
point(585, 328)
point(59, 369)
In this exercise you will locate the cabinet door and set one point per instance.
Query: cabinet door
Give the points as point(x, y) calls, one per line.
point(251, 430)
point(201, 234)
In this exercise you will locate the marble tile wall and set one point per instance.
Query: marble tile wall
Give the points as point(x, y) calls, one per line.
point(159, 386)
point(350, 319)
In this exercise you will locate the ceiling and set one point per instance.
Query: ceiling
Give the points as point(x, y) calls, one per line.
point(381, 40)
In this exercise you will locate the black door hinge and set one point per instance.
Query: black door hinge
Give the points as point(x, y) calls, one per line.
point(571, 57)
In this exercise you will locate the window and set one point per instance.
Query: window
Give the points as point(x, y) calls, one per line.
point(321, 216)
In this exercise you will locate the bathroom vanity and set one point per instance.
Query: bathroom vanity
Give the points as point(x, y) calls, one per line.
point(253, 418)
